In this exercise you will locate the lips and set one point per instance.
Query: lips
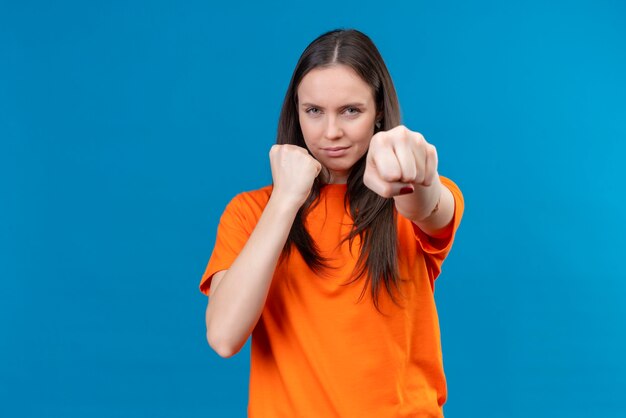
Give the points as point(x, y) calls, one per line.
point(335, 151)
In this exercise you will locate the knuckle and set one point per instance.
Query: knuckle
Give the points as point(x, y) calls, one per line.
point(419, 139)
point(377, 139)
point(403, 139)
point(395, 129)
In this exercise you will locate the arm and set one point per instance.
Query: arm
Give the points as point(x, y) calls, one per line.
point(431, 208)
point(239, 293)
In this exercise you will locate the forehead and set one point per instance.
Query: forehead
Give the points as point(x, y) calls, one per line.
point(334, 86)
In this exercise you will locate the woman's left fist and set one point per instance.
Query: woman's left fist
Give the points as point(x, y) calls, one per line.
point(398, 160)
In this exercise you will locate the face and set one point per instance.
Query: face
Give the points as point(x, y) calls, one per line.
point(337, 113)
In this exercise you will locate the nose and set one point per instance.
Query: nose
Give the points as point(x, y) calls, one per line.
point(333, 128)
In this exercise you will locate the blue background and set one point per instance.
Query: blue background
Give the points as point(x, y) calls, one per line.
point(126, 127)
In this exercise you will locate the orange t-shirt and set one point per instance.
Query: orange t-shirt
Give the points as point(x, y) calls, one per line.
point(315, 351)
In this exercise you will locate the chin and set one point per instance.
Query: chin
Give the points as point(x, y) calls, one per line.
point(339, 168)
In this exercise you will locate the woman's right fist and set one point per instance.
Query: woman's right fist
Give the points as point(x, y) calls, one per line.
point(293, 172)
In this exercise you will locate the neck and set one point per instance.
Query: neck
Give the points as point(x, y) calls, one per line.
point(330, 177)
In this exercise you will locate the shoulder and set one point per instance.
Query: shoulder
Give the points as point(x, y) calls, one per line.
point(253, 198)
point(248, 205)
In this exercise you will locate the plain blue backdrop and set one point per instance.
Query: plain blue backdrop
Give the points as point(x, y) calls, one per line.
point(126, 127)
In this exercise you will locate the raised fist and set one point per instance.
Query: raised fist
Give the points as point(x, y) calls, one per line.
point(293, 172)
point(398, 160)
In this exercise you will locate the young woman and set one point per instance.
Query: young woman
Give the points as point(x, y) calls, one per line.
point(332, 268)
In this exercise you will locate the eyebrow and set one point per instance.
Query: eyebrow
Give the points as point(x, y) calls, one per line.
point(356, 104)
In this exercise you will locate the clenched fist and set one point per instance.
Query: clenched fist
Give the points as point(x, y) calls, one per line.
point(399, 160)
point(293, 172)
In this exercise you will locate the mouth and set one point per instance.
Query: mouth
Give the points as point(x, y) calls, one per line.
point(335, 151)
point(333, 148)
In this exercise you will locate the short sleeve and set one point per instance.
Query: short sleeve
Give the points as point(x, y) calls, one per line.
point(233, 231)
point(436, 250)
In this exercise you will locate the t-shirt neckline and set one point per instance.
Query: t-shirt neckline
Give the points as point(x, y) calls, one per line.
point(338, 189)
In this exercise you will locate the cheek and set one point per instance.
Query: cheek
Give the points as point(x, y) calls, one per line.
point(310, 130)
point(306, 133)
point(365, 132)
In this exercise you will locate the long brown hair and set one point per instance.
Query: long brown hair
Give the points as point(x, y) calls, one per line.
point(374, 217)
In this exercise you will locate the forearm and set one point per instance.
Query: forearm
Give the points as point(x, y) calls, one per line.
point(431, 208)
point(236, 304)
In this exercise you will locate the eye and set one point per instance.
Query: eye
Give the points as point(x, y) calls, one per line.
point(352, 111)
point(313, 111)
